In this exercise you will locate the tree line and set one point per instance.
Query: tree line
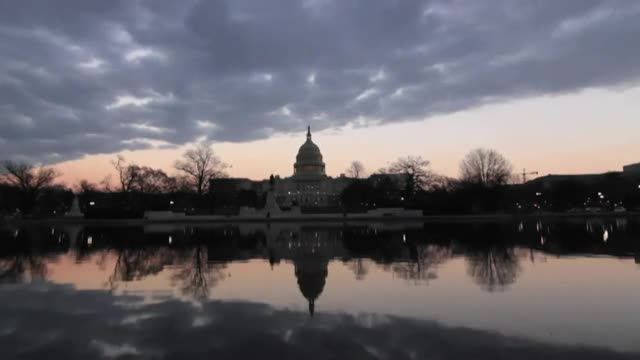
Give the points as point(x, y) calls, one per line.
point(486, 184)
point(32, 189)
point(410, 182)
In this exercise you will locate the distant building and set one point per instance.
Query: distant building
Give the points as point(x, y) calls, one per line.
point(628, 172)
point(234, 192)
point(550, 180)
point(309, 186)
point(226, 185)
point(631, 168)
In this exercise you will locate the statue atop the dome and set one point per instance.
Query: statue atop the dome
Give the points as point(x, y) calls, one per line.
point(309, 133)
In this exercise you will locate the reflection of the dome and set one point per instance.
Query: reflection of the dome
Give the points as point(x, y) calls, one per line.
point(197, 256)
point(310, 249)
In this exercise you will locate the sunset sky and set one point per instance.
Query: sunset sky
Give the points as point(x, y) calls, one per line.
point(553, 85)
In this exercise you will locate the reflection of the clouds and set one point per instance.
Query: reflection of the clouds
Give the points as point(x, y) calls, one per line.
point(57, 322)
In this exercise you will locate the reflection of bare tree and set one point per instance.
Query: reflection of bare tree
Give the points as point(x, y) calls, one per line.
point(26, 255)
point(423, 267)
point(22, 268)
point(135, 264)
point(494, 268)
point(359, 267)
point(196, 276)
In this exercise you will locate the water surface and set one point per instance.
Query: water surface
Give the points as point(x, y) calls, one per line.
point(555, 289)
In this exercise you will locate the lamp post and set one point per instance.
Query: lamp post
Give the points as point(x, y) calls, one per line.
point(538, 203)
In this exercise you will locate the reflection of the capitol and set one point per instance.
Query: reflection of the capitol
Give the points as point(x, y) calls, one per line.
point(197, 257)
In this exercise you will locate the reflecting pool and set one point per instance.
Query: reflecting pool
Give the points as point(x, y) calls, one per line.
point(556, 289)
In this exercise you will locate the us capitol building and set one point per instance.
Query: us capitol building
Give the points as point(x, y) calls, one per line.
point(308, 187)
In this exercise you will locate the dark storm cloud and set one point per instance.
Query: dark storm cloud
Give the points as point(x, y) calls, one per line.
point(57, 322)
point(80, 77)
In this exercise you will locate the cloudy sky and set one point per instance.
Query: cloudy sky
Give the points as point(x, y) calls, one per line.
point(554, 85)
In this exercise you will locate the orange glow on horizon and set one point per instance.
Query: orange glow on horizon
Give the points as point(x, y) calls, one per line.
point(551, 135)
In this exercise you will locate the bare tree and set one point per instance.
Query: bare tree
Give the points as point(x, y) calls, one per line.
point(424, 265)
point(127, 173)
point(356, 170)
point(176, 184)
point(31, 180)
point(360, 268)
point(200, 165)
point(27, 177)
point(85, 186)
point(485, 167)
point(22, 267)
point(105, 183)
point(149, 180)
point(137, 263)
point(494, 268)
point(417, 170)
point(196, 276)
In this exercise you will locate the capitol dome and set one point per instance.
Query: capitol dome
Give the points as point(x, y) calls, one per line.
point(309, 159)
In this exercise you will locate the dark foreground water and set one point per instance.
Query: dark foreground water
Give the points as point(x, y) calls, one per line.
point(550, 290)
